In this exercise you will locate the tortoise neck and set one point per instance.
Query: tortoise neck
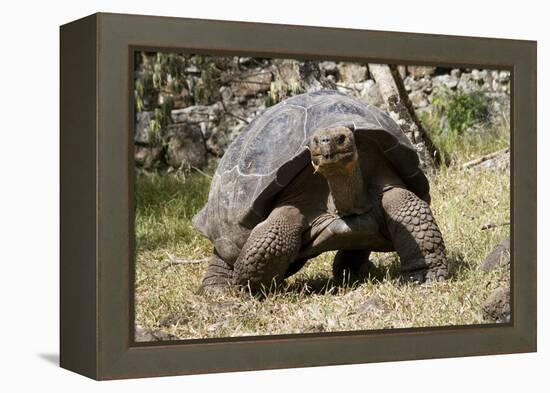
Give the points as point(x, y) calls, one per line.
point(346, 188)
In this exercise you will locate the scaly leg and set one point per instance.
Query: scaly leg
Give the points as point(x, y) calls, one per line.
point(415, 236)
point(272, 246)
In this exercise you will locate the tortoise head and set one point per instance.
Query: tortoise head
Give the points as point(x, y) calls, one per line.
point(333, 150)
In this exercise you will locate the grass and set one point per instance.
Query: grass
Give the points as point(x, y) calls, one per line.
point(168, 297)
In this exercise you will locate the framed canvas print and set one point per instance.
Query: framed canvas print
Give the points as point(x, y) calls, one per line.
point(240, 196)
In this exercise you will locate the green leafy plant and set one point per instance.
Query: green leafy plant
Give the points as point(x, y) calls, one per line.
point(462, 109)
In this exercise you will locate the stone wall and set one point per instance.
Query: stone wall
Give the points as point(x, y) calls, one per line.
point(189, 108)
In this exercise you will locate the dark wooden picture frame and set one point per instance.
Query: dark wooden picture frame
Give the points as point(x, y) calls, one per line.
point(97, 260)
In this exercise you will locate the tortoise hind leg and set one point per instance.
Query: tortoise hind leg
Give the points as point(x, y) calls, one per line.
point(415, 236)
point(218, 275)
point(272, 246)
point(351, 266)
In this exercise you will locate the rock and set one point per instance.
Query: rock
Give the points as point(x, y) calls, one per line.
point(497, 306)
point(163, 336)
point(498, 86)
point(449, 81)
point(467, 83)
point(183, 99)
point(423, 84)
point(218, 135)
point(503, 77)
point(192, 70)
point(143, 122)
point(418, 99)
point(497, 163)
point(252, 83)
point(371, 94)
point(206, 117)
point(226, 93)
point(420, 71)
point(217, 142)
point(197, 113)
point(475, 80)
point(245, 60)
point(500, 256)
point(318, 328)
point(231, 125)
point(408, 83)
point(328, 67)
point(478, 75)
point(253, 107)
point(144, 335)
point(351, 72)
point(186, 147)
point(499, 104)
point(147, 156)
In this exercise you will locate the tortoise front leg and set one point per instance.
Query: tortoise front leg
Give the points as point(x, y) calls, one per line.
point(272, 246)
point(415, 236)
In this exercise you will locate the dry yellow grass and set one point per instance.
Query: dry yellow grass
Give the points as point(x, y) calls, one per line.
point(167, 297)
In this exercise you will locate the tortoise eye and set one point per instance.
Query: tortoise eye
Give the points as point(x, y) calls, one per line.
point(341, 139)
point(316, 140)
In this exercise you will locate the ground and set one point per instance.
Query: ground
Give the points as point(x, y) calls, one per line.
point(168, 300)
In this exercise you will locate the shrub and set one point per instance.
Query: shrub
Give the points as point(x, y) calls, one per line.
point(462, 109)
point(457, 112)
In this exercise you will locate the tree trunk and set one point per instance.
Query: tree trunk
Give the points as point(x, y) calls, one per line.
point(401, 110)
point(312, 79)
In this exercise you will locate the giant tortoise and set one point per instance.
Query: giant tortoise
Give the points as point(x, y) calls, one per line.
point(319, 171)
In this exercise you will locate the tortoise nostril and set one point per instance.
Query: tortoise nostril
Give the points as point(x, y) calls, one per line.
point(325, 139)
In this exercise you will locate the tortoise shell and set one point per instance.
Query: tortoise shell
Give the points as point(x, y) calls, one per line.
point(272, 150)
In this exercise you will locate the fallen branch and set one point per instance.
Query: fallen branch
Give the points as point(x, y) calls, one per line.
point(395, 96)
point(201, 172)
point(187, 261)
point(484, 158)
point(494, 225)
point(345, 87)
point(249, 81)
point(172, 261)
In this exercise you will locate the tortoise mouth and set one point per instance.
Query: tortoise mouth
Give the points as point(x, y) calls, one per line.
point(330, 159)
